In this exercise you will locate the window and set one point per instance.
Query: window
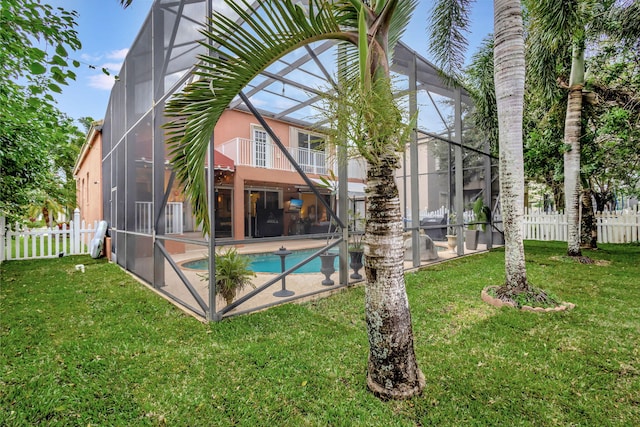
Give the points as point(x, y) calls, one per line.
point(311, 156)
point(310, 141)
point(88, 191)
point(261, 147)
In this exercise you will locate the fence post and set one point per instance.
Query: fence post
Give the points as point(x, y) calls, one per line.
point(75, 232)
point(2, 238)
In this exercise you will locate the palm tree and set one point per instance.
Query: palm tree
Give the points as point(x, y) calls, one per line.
point(509, 75)
point(238, 53)
point(558, 29)
point(556, 26)
point(449, 19)
point(42, 203)
point(479, 79)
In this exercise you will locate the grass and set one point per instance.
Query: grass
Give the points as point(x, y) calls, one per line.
point(98, 348)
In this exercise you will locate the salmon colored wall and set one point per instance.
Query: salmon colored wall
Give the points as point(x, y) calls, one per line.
point(232, 124)
point(89, 197)
point(237, 124)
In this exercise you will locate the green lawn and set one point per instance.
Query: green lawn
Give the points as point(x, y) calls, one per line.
point(98, 348)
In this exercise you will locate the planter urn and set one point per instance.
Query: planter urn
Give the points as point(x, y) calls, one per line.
point(355, 264)
point(328, 267)
point(452, 242)
point(471, 239)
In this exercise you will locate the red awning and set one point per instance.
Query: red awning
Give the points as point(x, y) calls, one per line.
point(222, 162)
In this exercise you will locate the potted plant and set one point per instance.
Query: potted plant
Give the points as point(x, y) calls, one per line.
point(356, 248)
point(328, 258)
point(480, 218)
point(452, 239)
point(232, 274)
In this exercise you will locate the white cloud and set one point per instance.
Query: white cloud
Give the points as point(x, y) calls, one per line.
point(258, 102)
point(222, 7)
point(90, 58)
point(113, 67)
point(101, 81)
point(117, 54)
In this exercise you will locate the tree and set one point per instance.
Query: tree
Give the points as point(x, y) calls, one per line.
point(552, 21)
point(610, 160)
point(509, 75)
point(614, 109)
point(86, 123)
point(238, 53)
point(36, 139)
point(612, 132)
point(38, 148)
point(36, 40)
point(559, 33)
point(449, 19)
point(479, 78)
point(543, 145)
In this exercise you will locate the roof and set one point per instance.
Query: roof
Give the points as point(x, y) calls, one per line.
point(94, 131)
point(222, 162)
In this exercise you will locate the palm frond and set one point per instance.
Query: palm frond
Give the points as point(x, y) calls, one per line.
point(545, 63)
point(552, 28)
point(448, 23)
point(480, 78)
point(624, 18)
point(399, 20)
point(559, 20)
point(239, 51)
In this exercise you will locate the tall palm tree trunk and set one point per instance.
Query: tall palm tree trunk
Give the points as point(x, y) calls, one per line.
point(589, 230)
point(386, 306)
point(509, 74)
point(572, 133)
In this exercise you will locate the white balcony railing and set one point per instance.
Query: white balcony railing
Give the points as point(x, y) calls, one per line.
point(247, 152)
point(173, 217)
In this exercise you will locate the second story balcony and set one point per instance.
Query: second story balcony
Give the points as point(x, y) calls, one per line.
point(247, 152)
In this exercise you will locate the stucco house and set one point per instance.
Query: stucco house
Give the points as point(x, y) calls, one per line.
point(87, 173)
point(256, 194)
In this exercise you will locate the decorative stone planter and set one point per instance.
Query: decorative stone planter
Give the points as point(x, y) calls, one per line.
point(471, 239)
point(452, 242)
point(355, 263)
point(496, 302)
point(328, 267)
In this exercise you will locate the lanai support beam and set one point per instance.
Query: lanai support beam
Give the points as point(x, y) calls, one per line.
point(459, 172)
point(487, 191)
point(160, 196)
point(413, 157)
point(212, 315)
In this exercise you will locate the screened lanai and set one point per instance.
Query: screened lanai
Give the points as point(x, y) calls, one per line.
point(267, 170)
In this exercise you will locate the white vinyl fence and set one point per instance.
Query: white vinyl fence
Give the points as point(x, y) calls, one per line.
point(613, 227)
point(21, 243)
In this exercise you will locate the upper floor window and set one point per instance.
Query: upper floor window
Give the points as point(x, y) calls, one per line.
point(261, 147)
point(310, 141)
point(310, 152)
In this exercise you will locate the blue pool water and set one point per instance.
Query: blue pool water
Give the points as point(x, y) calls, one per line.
point(270, 263)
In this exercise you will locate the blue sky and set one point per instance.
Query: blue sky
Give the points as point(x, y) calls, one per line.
point(106, 31)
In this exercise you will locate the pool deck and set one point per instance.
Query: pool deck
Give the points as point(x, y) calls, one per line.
point(306, 286)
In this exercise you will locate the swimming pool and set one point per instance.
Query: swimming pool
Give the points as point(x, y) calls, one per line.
point(269, 263)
